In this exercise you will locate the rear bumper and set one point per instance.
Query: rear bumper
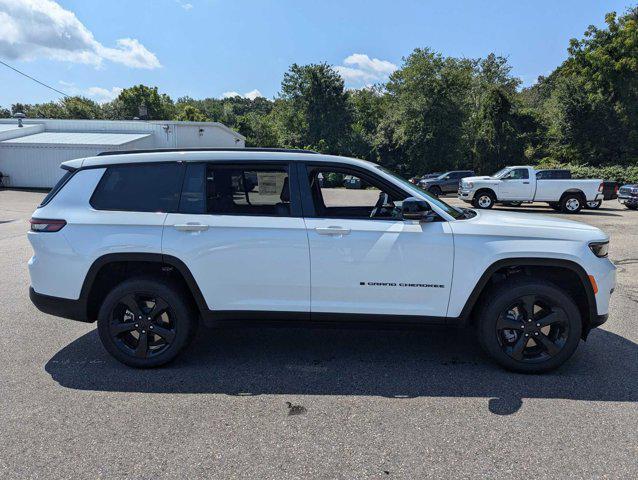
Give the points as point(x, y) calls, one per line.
point(59, 307)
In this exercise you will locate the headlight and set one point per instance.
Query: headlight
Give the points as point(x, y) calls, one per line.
point(600, 249)
point(469, 184)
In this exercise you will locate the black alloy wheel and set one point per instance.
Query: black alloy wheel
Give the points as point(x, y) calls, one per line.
point(528, 325)
point(145, 323)
point(142, 325)
point(532, 329)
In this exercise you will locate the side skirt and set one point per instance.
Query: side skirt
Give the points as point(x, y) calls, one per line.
point(244, 318)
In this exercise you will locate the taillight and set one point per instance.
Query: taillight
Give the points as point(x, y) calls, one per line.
point(600, 187)
point(46, 225)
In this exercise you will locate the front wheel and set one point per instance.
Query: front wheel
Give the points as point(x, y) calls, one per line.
point(529, 326)
point(144, 323)
point(484, 200)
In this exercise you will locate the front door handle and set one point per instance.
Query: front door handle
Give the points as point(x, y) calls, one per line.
point(337, 231)
point(191, 227)
point(526, 183)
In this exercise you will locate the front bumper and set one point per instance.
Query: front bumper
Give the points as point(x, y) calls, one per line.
point(628, 199)
point(465, 195)
point(59, 307)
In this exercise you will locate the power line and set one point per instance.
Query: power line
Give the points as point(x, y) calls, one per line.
point(34, 79)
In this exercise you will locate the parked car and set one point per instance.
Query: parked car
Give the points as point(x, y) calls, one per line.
point(628, 196)
point(521, 184)
point(148, 244)
point(446, 182)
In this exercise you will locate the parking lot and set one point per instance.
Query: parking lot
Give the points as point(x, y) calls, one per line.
point(297, 403)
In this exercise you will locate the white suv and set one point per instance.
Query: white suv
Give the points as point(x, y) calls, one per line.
point(150, 243)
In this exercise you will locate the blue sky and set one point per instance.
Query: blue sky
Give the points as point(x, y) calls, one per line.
point(208, 48)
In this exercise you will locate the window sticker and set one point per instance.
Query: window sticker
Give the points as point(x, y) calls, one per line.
point(270, 183)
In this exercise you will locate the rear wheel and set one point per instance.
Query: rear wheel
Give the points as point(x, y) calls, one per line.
point(529, 326)
point(484, 200)
point(436, 191)
point(144, 323)
point(572, 203)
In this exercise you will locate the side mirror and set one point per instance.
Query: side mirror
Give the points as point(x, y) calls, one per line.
point(416, 209)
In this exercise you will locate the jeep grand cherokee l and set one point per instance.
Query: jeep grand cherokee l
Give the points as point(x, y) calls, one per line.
point(150, 244)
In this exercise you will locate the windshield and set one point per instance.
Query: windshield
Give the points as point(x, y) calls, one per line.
point(501, 173)
point(449, 209)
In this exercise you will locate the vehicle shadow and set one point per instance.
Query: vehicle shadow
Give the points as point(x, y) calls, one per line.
point(432, 362)
point(601, 212)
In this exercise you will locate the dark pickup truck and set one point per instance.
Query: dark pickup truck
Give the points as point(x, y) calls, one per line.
point(447, 182)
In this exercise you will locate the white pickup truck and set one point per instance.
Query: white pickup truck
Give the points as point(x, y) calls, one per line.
point(515, 185)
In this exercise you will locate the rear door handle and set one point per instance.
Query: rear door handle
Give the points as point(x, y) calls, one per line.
point(332, 230)
point(191, 227)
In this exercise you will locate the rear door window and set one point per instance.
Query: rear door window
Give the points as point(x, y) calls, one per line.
point(139, 188)
point(236, 190)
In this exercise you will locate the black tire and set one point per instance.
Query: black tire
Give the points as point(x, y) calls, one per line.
point(436, 191)
point(556, 323)
point(555, 206)
point(173, 324)
point(594, 205)
point(572, 203)
point(484, 199)
point(631, 207)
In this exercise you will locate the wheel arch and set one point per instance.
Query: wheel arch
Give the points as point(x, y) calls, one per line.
point(577, 191)
point(574, 279)
point(110, 269)
point(487, 190)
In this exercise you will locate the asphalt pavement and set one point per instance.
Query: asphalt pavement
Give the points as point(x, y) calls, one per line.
point(298, 403)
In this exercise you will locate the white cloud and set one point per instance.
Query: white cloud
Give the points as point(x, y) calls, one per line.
point(103, 95)
point(31, 29)
point(184, 5)
point(253, 94)
point(250, 95)
point(359, 69)
point(99, 94)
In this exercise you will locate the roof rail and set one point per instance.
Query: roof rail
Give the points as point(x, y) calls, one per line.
point(211, 149)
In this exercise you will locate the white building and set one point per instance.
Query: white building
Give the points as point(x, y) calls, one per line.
point(30, 155)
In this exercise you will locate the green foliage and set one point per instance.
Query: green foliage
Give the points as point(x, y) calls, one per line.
point(127, 104)
point(189, 113)
point(314, 108)
point(434, 113)
point(618, 173)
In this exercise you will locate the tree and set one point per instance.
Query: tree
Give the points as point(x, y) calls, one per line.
point(592, 104)
point(127, 104)
point(5, 113)
point(427, 110)
point(313, 108)
point(497, 141)
point(81, 107)
point(190, 113)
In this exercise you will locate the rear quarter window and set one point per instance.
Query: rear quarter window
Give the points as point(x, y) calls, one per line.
point(58, 186)
point(139, 188)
